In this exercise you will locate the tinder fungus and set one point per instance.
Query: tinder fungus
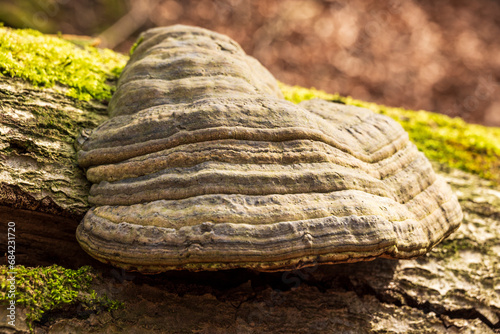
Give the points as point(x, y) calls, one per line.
point(204, 166)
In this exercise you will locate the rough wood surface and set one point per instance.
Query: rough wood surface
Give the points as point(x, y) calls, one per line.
point(38, 128)
point(204, 166)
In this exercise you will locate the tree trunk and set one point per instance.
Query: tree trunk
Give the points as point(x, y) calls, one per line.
point(453, 289)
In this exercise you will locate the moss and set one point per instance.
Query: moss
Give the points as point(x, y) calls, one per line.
point(45, 289)
point(136, 44)
point(61, 125)
point(450, 248)
point(451, 141)
point(48, 60)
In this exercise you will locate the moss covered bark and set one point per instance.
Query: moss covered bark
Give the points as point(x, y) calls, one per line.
point(46, 87)
point(37, 159)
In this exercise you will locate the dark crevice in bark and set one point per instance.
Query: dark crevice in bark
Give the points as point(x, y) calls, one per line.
point(387, 297)
point(466, 313)
point(14, 197)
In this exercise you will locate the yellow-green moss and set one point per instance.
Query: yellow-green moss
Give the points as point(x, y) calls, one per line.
point(45, 289)
point(452, 141)
point(46, 60)
point(136, 44)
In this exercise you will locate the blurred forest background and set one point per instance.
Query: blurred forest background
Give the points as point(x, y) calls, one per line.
point(439, 55)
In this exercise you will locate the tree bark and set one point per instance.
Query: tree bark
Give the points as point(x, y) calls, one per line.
point(42, 189)
point(453, 289)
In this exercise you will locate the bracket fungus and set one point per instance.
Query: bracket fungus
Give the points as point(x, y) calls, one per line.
point(204, 166)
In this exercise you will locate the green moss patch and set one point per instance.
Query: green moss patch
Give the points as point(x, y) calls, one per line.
point(47, 60)
point(451, 141)
point(136, 44)
point(45, 289)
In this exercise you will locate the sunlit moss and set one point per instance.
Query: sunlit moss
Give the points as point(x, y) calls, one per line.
point(44, 289)
point(452, 141)
point(136, 44)
point(48, 60)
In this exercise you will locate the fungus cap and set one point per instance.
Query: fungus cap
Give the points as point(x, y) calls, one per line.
point(204, 166)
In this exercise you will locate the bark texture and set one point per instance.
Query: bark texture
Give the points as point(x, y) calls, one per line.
point(38, 169)
point(453, 289)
